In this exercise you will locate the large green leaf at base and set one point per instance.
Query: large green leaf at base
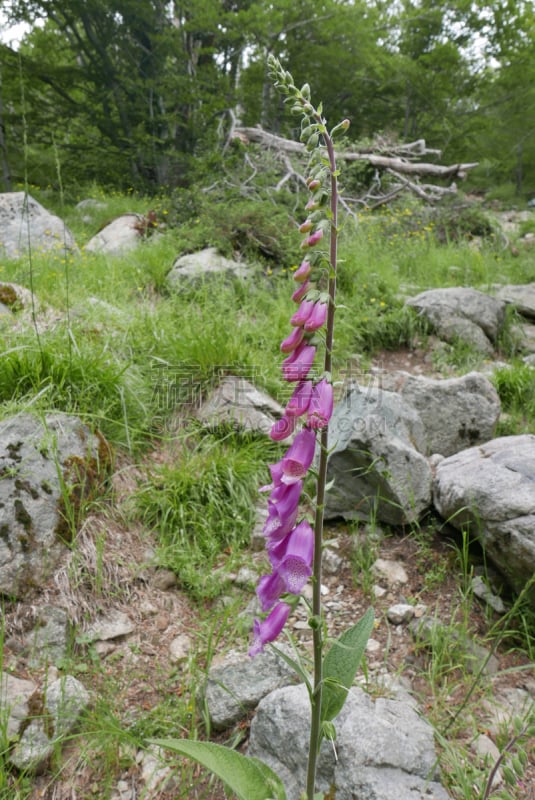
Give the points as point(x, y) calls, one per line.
point(341, 664)
point(248, 778)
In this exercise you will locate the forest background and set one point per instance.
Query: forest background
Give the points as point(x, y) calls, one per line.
point(142, 94)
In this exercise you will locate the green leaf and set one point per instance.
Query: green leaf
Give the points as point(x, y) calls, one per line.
point(248, 778)
point(341, 664)
point(296, 666)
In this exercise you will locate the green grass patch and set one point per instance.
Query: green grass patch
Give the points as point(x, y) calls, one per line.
point(204, 506)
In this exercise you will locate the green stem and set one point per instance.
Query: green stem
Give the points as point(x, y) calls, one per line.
point(317, 631)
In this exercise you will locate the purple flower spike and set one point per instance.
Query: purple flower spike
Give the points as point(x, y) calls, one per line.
point(303, 312)
point(295, 567)
point(269, 629)
point(320, 408)
point(299, 457)
point(269, 590)
point(316, 318)
point(282, 428)
point(301, 291)
point(297, 366)
point(300, 399)
point(303, 272)
point(293, 340)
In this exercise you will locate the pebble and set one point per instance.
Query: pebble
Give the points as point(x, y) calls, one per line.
point(179, 648)
point(400, 613)
point(164, 579)
point(391, 571)
point(372, 646)
point(481, 590)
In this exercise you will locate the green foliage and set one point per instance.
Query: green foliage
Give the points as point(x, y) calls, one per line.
point(204, 506)
point(248, 778)
point(252, 230)
point(341, 664)
point(83, 380)
point(141, 95)
point(515, 385)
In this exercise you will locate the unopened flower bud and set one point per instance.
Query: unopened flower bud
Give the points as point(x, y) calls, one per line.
point(313, 239)
point(306, 226)
point(303, 272)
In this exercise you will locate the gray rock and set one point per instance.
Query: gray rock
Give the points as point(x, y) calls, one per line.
point(522, 297)
point(14, 708)
point(61, 705)
point(384, 750)
point(48, 641)
point(400, 613)
point(47, 467)
point(15, 297)
point(462, 313)
point(110, 626)
point(236, 685)
point(121, 235)
point(195, 268)
point(481, 590)
point(491, 489)
point(391, 572)
point(376, 462)
point(180, 648)
point(26, 224)
point(456, 413)
point(238, 403)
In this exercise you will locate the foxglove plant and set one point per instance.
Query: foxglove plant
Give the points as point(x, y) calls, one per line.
point(293, 545)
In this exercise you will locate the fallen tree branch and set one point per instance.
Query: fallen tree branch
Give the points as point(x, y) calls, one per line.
point(397, 163)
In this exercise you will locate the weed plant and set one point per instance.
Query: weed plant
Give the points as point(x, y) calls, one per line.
point(515, 385)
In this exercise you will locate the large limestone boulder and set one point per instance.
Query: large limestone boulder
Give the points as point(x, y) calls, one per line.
point(26, 225)
point(377, 464)
point(121, 235)
point(47, 468)
point(239, 404)
point(384, 749)
point(491, 489)
point(195, 269)
point(462, 313)
point(237, 683)
point(456, 413)
point(522, 297)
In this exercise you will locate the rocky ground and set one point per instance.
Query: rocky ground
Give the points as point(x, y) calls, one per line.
point(112, 580)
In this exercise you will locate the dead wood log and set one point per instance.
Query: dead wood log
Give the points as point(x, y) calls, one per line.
point(397, 163)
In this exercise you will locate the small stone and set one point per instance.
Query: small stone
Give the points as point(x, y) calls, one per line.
point(147, 609)
point(161, 622)
point(391, 571)
point(164, 579)
point(378, 591)
point(372, 646)
point(331, 561)
point(180, 648)
point(485, 748)
point(246, 577)
point(111, 626)
point(481, 590)
point(400, 613)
